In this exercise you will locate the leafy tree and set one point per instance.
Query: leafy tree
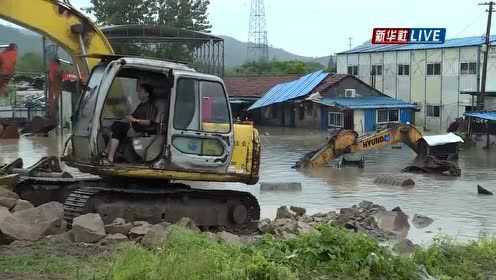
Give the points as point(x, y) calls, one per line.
point(186, 14)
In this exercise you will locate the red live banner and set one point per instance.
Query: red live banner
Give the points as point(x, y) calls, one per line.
point(395, 36)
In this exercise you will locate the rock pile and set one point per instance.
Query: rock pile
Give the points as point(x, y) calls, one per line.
point(366, 217)
point(21, 221)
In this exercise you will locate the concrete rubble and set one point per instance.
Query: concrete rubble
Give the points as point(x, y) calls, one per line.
point(281, 186)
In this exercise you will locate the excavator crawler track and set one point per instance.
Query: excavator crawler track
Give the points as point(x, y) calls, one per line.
point(210, 209)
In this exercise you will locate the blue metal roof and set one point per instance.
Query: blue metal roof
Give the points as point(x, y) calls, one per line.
point(368, 102)
point(491, 116)
point(290, 90)
point(449, 43)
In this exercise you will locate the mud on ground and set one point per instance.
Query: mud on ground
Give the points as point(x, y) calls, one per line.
point(51, 258)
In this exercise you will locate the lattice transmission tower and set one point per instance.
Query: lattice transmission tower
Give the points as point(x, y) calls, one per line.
point(258, 46)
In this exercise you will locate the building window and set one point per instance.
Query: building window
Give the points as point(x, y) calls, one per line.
point(336, 119)
point(388, 116)
point(470, 108)
point(376, 70)
point(433, 69)
point(403, 69)
point(468, 68)
point(353, 70)
point(433, 111)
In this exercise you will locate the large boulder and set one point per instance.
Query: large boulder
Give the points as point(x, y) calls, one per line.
point(229, 238)
point(299, 211)
point(35, 223)
point(394, 221)
point(88, 228)
point(7, 193)
point(284, 213)
point(265, 226)
point(139, 231)
point(119, 225)
point(156, 236)
point(4, 213)
point(421, 221)
point(21, 205)
point(7, 202)
point(187, 223)
point(285, 226)
point(111, 239)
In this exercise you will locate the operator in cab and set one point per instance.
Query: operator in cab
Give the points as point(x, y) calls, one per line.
point(140, 121)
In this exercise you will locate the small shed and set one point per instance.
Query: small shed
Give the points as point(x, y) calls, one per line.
point(440, 146)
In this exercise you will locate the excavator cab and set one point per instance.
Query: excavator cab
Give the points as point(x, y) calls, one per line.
point(192, 129)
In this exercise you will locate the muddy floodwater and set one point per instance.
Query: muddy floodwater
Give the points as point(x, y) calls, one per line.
point(453, 203)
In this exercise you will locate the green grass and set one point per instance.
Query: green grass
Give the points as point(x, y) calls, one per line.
point(447, 259)
point(187, 255)
point(331, 253)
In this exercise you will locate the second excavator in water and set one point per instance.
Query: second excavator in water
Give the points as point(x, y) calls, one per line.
point(435, 154)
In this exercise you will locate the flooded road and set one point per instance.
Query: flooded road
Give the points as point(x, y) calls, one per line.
point(453, 203)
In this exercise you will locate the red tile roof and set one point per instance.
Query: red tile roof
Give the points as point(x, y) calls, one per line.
point(254, 86)
point(330, 81)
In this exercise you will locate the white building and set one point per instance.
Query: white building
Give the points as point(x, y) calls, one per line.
point(434, 77)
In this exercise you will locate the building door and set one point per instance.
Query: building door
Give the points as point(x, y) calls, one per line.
point(348, 119)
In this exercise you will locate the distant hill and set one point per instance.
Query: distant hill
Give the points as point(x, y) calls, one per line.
point(26, 41)
point(235, 53)
point(234, 50)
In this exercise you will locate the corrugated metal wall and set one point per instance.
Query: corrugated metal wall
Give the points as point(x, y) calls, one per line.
point(405, 115)
point(370, 120)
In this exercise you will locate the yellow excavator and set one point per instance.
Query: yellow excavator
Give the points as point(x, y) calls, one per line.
point(194, 139)
point(435, 154)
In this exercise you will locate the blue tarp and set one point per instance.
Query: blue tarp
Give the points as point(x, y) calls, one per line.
point(450, 43)
point(290, 90)
point(368, 102)
point(491, 116)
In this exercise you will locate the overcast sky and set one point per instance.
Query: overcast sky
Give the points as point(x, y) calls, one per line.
point(321, 27)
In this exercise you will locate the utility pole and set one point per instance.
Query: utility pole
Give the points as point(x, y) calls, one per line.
point(486, 54)
point(349, 42)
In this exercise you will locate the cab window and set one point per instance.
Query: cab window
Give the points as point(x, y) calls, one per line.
point(201, 106)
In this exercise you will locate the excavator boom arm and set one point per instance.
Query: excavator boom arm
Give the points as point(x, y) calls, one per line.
point(347, 141)
point(63, 24)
